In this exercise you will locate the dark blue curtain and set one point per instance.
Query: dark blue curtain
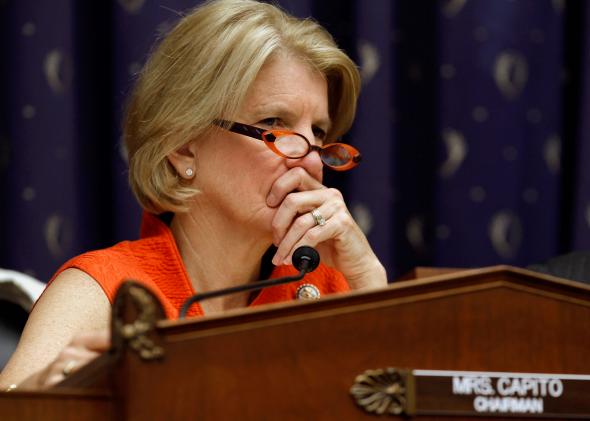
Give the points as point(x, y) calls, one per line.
point(470, 121)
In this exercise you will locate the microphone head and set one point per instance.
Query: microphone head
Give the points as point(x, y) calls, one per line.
point(306, 259)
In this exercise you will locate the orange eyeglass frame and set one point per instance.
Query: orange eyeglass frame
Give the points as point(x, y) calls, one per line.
point(269, 137)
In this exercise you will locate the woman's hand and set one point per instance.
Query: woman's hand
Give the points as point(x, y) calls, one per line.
point(83, 348)
point(340, 241)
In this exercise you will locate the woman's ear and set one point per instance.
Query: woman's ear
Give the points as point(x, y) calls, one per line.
point(184, 161)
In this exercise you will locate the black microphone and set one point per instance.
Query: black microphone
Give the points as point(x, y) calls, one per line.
point(305, 259)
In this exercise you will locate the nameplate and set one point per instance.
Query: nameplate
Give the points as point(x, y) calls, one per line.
point(474, 393)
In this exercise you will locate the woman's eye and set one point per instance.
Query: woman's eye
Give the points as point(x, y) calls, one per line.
point(319, 133)
point(271, 122)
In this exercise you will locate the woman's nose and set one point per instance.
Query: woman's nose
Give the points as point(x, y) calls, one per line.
point(311, 162)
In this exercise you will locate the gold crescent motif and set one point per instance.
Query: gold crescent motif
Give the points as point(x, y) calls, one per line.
point(132, 6)
point(370, 62)
point(558, 5)
point(453, 7)
point(456, 152)
point(506, 233)
point(511, 73)
point(57, 235)
point(58, 71)
point(552, 153)
point(415, 233)
point(363, 217)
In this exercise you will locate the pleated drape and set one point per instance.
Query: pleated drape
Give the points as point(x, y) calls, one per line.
point(471, 123)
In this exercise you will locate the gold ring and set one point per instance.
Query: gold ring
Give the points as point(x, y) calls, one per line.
point(68, 368)
point(318, 218)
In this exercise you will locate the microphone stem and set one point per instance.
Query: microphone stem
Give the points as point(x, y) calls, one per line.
point(240, 288)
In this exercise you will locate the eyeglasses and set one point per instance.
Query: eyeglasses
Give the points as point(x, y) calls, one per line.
point(292, 145)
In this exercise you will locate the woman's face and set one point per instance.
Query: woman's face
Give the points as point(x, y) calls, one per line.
point(235, 173)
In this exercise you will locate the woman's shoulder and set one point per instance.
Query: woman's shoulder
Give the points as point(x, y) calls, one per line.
point(124, 254)
point(111, 266)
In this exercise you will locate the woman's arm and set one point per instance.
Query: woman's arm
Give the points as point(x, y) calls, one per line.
point(59, 330)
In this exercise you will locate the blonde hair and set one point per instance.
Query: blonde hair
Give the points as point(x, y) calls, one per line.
point(202, 70)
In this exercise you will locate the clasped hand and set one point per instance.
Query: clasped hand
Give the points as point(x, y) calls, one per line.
point(340, 242)
point(83, 348)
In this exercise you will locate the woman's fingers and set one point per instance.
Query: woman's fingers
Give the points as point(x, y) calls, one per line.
point(294, 223)
point(312, 237)
point(297, 194)
point(83, 348)
point(342, 243)
point(302, 228)
point(296, 205)
point(296, 179)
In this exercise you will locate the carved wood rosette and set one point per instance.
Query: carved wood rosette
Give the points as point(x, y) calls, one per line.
point(382, 391)
point(136, 311)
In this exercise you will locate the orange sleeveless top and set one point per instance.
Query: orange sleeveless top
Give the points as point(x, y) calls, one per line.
point(155, 261)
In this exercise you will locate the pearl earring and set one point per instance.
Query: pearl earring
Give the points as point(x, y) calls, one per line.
point(189, 172)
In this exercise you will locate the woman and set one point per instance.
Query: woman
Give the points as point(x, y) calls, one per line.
point(222, 130)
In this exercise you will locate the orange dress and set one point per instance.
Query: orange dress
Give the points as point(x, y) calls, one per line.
point(154, 260)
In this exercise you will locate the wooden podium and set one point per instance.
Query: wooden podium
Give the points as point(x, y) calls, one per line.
point(300, 360)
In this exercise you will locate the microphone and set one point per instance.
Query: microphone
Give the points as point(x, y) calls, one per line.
point(305, 259)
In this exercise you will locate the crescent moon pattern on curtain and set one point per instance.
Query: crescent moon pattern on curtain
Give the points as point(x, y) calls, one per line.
point(471, 122)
